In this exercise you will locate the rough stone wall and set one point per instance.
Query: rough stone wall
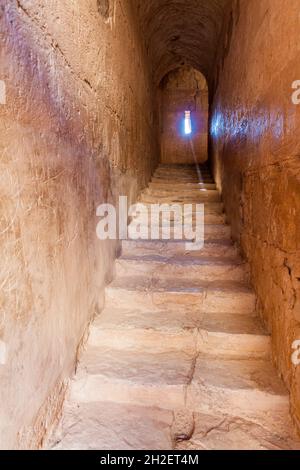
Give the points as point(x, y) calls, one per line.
point(78, 116)
point(256, 148)
point(184, 89)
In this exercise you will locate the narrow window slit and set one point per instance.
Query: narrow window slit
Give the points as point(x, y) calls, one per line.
point(187, 123)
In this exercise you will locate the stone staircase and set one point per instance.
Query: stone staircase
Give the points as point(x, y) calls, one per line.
point(178, 359)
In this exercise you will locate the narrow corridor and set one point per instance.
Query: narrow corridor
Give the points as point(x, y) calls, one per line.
point(113, 341)
point(178, 358)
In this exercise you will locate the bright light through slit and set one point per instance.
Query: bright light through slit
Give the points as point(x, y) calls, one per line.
point(187, 123)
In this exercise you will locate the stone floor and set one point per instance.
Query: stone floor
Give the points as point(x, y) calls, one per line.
point(179, 358)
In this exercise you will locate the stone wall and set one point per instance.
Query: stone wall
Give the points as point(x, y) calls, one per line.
point(256, 147)
point(73, 129)
point(184, 89)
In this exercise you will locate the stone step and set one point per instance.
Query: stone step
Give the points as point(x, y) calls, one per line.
point(147, 330)
point(127, 377)
point(248, 388)
point(211, 231)
point(181, 174)
point(206, 196)
point(170, 249)
point(180, 166)
point(169, 186)
point(215, 431)
point(113, 426)
point(192, 189)
point(209, 297)
point(203, 178)
point(185, 180)
point(209, 207)
point(207, 269)
point(161, 217)
point(171, 175)
point(169, 172)
point(182, 178)
point(181, 171)
point(186, 193)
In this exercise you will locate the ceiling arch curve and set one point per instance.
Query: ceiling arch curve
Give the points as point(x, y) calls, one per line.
point(181, 31)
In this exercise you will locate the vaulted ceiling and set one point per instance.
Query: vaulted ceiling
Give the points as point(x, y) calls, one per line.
point(180, 31)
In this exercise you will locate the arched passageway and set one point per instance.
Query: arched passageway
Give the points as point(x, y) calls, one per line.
point(93, 95)
point(183, 103)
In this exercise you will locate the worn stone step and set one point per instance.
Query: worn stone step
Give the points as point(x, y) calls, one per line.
point(248, 388)
point(207, 181)
point(205, 196)
point(184, 180)
point(184, 193)
point(181, 174)
point(170, 249)
point(211, 231)
point(169, 186)
point(183, 168)
point(194, 191)
point(188, 166)
point(209, 207)
point(161, 218)
point(216, 431)
point(126, 377)
point(113, 426)
point(181, 171)
point(226, 296)
point(170, 173)
point(142, 329)
point(172, 330)
point(207, 269)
